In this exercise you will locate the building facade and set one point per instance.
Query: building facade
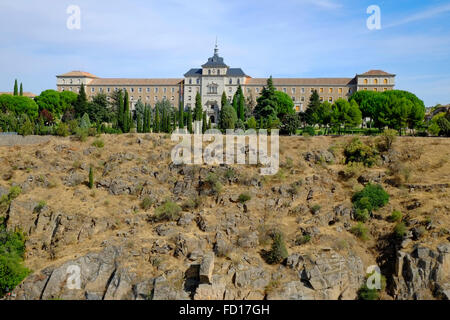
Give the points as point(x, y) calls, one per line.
point(215, 77)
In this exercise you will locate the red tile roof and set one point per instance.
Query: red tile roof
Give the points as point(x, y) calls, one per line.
point(78, 74)
point(376, 73)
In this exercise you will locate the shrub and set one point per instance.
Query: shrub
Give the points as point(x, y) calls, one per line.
point(301, 240)
point(357, 151)
point(400, 230)
point(244, 197)
point(41, 205)
point(362, 215)
point(99, 143)
point(278, 252)
point(214, 182)
point(360, 231)
point(168, 211)
point(91, 177)
point(81, 134)
point(12, 249)
point(190, 204)
point(14, 192)
point(396, 216)
point(309, 131)
point(372, 197)
point(147, 203)
point(62, 130)
point(315, 209)
point(387, 139)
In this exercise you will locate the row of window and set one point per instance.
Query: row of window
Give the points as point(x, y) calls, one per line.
point(303, 90)
point(376, 81)
point(230, 81)
point(376, 89)
point(132, 90)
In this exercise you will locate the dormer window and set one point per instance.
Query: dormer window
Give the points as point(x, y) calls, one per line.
point(209, 71)
point(231, 81)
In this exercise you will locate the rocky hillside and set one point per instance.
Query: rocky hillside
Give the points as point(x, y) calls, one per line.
point(151, 230)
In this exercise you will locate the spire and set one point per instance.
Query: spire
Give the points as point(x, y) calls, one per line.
point(216, 49)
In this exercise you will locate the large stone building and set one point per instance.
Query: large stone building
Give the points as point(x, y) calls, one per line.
point(215, 77)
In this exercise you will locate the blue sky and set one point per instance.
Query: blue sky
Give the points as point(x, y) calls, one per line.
point(285, 38)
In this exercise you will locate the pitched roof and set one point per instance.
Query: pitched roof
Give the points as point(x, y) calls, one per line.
point(376, 73)
point(215, 62)
point(134, 82)
point(301, 81)
point(78, 74)
point(25, 94)
point(193, 73)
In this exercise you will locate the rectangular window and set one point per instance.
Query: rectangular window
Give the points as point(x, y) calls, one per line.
point(340, 90)
point(156, 90)
point(293, 98)
point(293, 90)
point(303, 98)
point(330, 90)
point(330, 99)
point(165, 90)
point(257, 90)
point(303, 90)
point(140, 90)
point(173, 90)
point(156, 98)
point(321, 99)
point(148, 90)
point(92, 89)
point(284, 90)
point(132, 89)
point(321, 90)
point(109, 90)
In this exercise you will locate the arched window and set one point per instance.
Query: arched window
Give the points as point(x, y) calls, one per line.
point(231, 81)
point(375, 81)
point(385, 81)
point(366, 81)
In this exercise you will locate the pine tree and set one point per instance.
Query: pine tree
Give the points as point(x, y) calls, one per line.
point(21, 89)
point(313, 106)
point(16, 88)
point(189, 120)
point(224, 100)
point(204, 123)
point(198, 112)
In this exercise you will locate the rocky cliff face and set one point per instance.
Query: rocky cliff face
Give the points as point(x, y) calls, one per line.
point(106, 243)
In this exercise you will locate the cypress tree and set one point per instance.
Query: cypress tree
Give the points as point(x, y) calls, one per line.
point(189, 120)
point(126, 113)
point(235, 102)
point(21, 89)
point(149, 119)
point(156, 121)
point(198, 111)
point(204, 123)
point(120, 110)
point(81, 105)
point(224, 100)
point(180, 116)
point(241, 104)
point(16, 88)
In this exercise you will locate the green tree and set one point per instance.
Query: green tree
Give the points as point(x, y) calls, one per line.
point(21, 89)
point(18, 105)
point(126, 113)
point(98, 109)
point(181, 116)
point(198, 111)
point(313, 105)
point(189, 120)
point(285, 105)
point(224, 100)
point(156, 122)
point(204, 123)
point(227, 118)
point(267, 102)
point(50, 100)
point(16, 90)
point(85, 122)
point(323, 114)
point(278, 252)
point(346, 114)
point(81, 105)
point(290, 124)
point(251, 123)
point(240, 104)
